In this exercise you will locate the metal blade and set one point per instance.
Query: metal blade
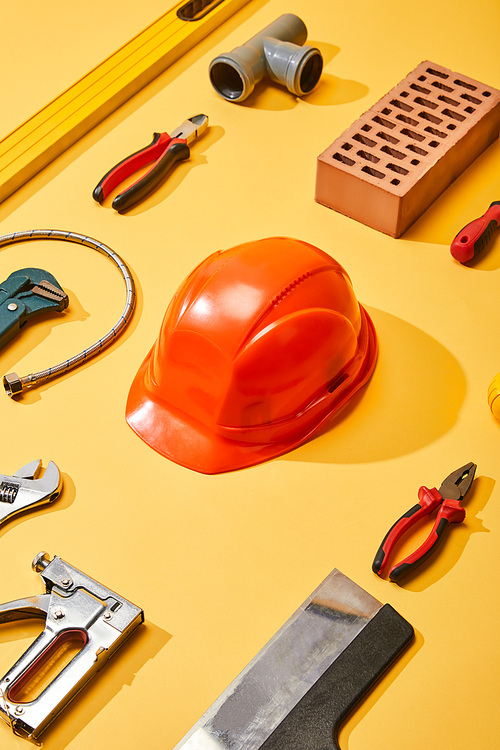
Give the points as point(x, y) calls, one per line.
point(272, 684)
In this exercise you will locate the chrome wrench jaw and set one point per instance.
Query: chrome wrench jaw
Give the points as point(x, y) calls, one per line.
point(26, 488)
point(30, 470)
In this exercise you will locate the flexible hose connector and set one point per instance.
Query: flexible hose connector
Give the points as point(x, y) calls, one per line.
point(14, 384)
point(278, 52)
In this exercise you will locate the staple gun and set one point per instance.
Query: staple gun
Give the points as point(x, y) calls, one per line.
point(76, 608)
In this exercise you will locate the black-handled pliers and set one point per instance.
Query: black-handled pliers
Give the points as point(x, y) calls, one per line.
point(448, 499)
point(162, 153)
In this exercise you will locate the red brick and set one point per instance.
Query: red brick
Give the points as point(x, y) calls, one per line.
point(393, 162)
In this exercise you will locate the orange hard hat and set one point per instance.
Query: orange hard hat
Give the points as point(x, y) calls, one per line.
point(260, 345)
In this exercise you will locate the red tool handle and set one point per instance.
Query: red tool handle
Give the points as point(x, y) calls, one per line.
point(129, 165)
point(450, 512)
point(475, 236)
point(163, 151)
point(428, 500)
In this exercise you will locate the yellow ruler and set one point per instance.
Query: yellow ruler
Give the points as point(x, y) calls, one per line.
point(53, 129)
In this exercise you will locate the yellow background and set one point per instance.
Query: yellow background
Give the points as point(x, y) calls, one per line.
point(219, 563)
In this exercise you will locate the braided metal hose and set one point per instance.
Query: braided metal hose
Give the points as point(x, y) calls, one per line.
point(13, 384)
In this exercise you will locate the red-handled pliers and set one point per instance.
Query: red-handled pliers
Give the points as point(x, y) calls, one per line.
point(163, 152)
point(448, 499)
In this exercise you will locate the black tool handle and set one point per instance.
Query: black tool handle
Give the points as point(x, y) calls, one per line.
point(177, 151)
point(130, 164)
point(451, 511)
point(394, 534)
point(315, 721)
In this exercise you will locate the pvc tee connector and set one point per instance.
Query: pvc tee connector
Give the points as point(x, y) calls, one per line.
point(278, 52)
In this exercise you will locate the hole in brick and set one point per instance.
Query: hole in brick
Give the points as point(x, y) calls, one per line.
point(441, 86)
point(396, 168)
point(386, 111)
point(344, 159)
point(470, 110)
point(422, 89)
point(415, 162)
point(451, 126)
point(364, 140)
point(387, 137)
point(486, 93)
point(385, 123)
point(413, 134)
point(470, 98)
point(425, 102)
point(437, 73)
point(373, 172)
point(435, 132)
point(447, 100)
point(421, 78)
point(417, 149)
point(404, 93)
point(401, 105)
point(433, 144)
point(454, 115)
point(465, 84)
point(369, 157)
point(408, 120)
point(346, 146)
point(393, 152)
point(431, 118)
point(395, 182)
point(366, 128)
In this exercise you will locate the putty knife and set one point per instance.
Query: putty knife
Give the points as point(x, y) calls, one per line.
point(299, 688)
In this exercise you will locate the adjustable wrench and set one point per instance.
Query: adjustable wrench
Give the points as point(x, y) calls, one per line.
point(26, 488)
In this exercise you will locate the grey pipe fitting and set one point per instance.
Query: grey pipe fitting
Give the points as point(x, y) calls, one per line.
point(278, 51)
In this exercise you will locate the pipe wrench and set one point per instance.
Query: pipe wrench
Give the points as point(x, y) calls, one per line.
point(24, 295)
point(76, 609)
point(27, 489)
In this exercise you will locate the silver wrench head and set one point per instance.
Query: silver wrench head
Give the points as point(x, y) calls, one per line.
point(45, 485)
point(26, 488)
point(29, 471)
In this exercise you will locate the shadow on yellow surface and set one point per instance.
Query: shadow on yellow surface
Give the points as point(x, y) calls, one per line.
point(413, 398)
point(64, 501)
point(145, 644)
point(459, 204)
point(330, 90)
point(453, 545)
point(371, 698)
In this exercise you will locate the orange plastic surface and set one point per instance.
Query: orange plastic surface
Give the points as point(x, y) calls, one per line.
point(258, 348)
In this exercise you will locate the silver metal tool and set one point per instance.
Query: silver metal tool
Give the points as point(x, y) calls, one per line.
point(27, 488)
point(299, 688)
point(76, 608)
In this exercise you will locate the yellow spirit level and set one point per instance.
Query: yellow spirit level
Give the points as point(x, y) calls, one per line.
point(54, 128)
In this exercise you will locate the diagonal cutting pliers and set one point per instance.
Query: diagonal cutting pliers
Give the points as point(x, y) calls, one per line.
point(162, 153)
point(448, 499)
